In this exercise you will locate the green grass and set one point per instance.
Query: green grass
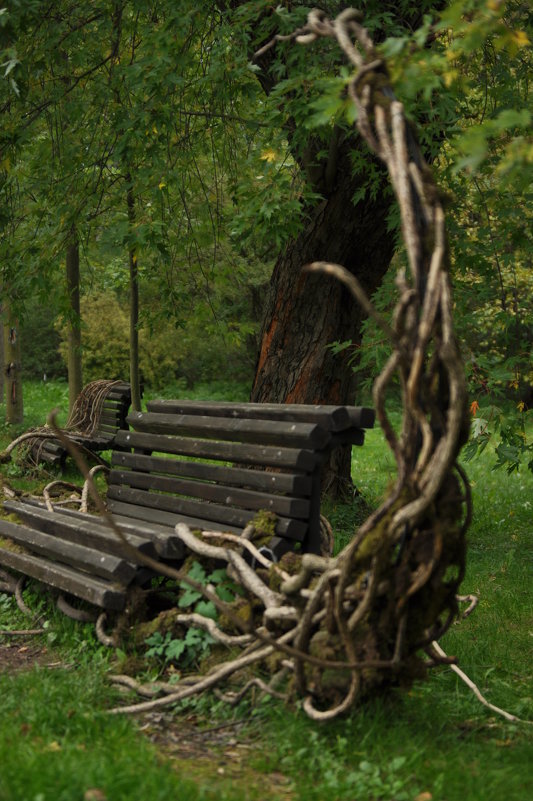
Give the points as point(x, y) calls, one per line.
point(447, 743)
point(56, 741)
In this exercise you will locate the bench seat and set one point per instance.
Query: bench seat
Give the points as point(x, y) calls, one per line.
point(214, 466)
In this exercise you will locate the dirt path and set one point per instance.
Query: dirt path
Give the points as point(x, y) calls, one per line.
point(218, 755)
point(22, 653)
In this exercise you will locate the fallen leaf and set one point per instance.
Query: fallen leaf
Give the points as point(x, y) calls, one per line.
point(53, 746)
point(94, 794)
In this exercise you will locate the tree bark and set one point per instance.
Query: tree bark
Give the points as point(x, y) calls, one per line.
point(12, 372)
point(134, 307)
point(305, 314)
point(74, 365)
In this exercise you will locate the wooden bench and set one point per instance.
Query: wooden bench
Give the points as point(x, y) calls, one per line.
point(99, 413)
point(211, 465)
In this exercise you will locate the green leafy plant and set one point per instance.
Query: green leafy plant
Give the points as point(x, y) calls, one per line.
point(191, 648)
point(365, 780)
point(511, 433)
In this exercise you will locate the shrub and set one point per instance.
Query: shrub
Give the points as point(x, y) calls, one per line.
point(202, 349)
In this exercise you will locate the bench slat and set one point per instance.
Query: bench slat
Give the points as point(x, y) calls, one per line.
point(267, 456)
point(159, 518)
point(259, 432)
point(106, 430)
point(217, 493)
point(111, 418)
point(96, 591)
point(92, 533)
point(291, 483)
point(163, 537)
point(334, 418)
point(217, 514)
point(120, 392)
point(79, 556)
point(51, 446)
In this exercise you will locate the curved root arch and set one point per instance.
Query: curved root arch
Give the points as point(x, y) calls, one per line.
point(391, 592)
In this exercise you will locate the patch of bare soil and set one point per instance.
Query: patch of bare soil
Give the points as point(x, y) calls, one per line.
point(226, 753)
point(20, 653)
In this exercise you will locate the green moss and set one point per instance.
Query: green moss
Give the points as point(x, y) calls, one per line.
point(241, 609)
point(165, 621)
point(264, 523)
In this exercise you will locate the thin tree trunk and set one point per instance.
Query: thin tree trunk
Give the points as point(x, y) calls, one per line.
point(2, 362)
point(134, 307)
point(13, 376)
point(74, 366)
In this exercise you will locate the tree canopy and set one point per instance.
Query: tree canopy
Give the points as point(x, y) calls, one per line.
point(177, 158)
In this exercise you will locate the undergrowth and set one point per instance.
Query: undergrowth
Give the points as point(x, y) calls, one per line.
point(434, 742)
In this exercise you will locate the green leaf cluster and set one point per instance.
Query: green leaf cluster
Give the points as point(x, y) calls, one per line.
point(194, 645)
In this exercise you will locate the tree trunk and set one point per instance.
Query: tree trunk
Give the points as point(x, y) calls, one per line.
point(134, 307)
point(12, 372)
point(2, 362)
point(75, 381)
point(306, 313)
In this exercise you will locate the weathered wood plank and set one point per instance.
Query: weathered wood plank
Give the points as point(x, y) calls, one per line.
point(162, 536)
point(95, 591)
point(120, 392)
point(290, 483)
point(266, 456)
point(217, 514)
point(93, 533)
point(213, 493)
point(259, 432)
point(158, 517)
point(100, 564)
point(109, 417)
point(334, 418)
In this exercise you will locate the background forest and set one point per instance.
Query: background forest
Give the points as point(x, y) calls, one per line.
point(157, 183)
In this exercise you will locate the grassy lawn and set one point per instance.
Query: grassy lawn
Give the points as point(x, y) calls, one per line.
point(434, 742)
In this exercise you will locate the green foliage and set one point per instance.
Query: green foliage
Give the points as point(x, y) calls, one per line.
point(91, 97)
point(195, 644)
point(202, 349)
point(510, 434)
point(363, 780)
point(56, 743)
point(269, 198)
point(186, 651)
point(474, 87)
point(40, 343)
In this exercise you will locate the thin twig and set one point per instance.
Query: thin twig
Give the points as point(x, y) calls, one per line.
point(475, 689)
point(21, 632)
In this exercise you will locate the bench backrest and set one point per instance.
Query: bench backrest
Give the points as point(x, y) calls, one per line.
point(215, 465)
point(114, 412)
